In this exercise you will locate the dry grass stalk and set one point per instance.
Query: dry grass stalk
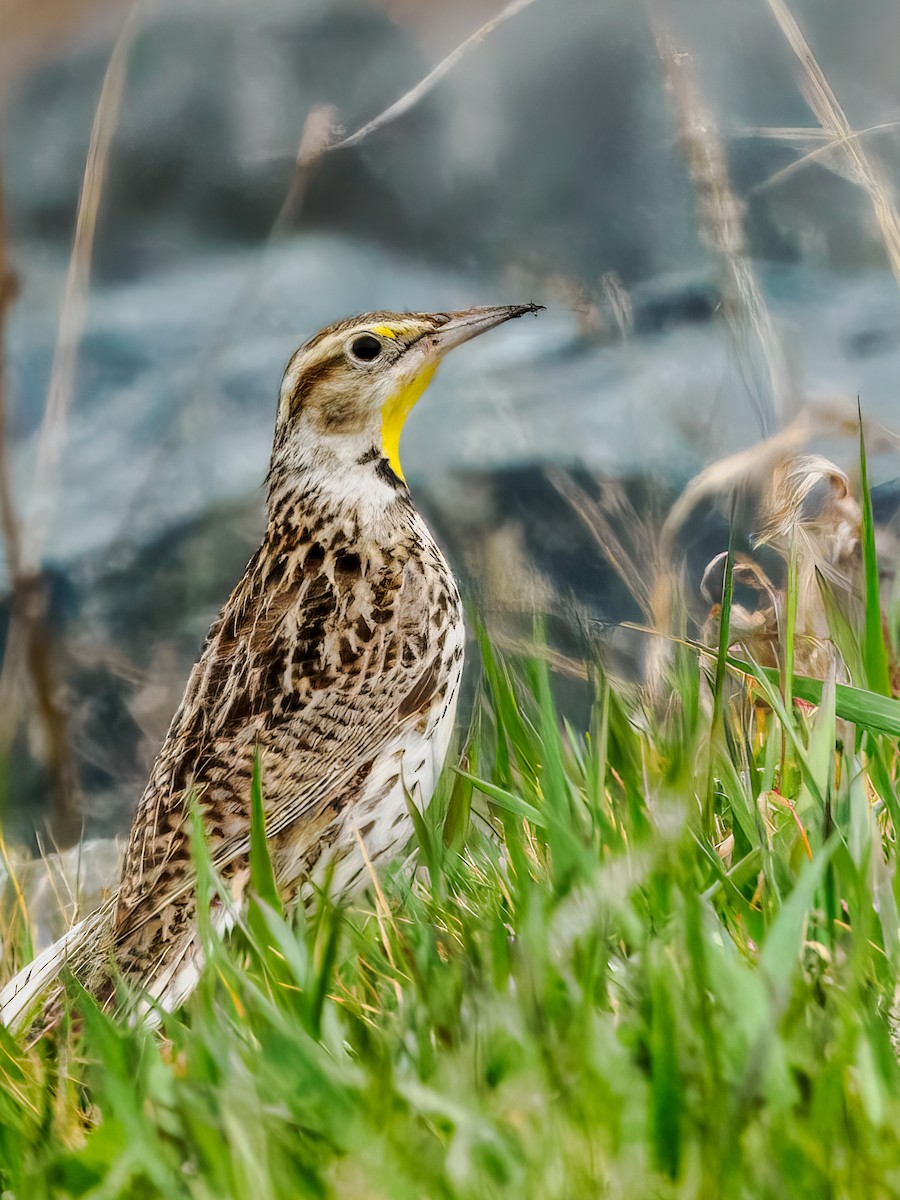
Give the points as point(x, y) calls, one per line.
point(809, 515)
point(843, 138)
point(51, 436)
point(620, 552)
point(9, 521)
point(618, 303)
point(411, 98)
point(746, 468)
point(29, 650)
point(757, 349)
point(318, 129)
point(562, 664)
point(810, 498)
point(805, 511)
point(755, 628)
point(321, 127)
point(731, 475)
point(825, 153)
point(27, 646)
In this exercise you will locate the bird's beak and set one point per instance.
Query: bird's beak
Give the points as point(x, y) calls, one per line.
point(462, 326)
point(420, 361)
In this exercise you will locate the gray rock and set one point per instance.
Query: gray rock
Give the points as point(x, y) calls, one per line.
point(159, 499)
point(551, 145)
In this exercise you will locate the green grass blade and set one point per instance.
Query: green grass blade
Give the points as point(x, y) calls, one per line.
point(781, 948)
point(262, 873)
point(507, 801)
point(790, 624)
point(866, 709)
point(875, 650)
point(719, 682)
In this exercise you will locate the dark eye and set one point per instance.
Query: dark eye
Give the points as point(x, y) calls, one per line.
point(365, 347)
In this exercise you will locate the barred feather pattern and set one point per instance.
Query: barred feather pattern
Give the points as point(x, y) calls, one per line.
point(338, 658)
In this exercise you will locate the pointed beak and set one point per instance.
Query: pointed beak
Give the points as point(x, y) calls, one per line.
point(460, 327)
point(421, 358)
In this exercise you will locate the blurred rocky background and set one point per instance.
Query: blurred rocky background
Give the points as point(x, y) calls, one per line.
point(716, 258)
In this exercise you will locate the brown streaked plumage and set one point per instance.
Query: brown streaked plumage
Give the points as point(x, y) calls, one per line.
point(337, 658)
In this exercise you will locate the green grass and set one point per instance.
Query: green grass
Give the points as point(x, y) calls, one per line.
point(654, 958)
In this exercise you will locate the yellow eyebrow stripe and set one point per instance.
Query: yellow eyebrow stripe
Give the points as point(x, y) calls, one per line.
point(384, 331)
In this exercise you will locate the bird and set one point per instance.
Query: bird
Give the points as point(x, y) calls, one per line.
point(335, 664)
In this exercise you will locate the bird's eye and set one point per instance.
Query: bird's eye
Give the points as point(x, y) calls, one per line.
point(365, 347)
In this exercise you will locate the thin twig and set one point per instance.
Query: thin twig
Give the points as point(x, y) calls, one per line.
point(444, 67)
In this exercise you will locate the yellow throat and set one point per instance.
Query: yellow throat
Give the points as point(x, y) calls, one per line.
point(394, 412)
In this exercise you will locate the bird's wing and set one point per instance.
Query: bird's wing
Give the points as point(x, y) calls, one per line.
point(319, 785)
point(322, 679)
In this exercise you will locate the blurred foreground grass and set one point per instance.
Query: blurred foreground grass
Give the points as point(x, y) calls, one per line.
point(660, 961)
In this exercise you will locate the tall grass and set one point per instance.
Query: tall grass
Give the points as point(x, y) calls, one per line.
point(655, 957)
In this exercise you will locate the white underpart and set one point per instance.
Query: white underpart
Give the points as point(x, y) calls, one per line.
point(171, 987)
point(416, 758)
point(333, 472)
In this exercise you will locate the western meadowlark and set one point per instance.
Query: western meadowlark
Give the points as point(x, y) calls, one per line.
point(337, 659)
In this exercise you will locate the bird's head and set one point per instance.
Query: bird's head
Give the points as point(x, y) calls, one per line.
point(347, 392)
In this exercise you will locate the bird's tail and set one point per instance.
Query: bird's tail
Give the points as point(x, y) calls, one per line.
point(82, 952)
